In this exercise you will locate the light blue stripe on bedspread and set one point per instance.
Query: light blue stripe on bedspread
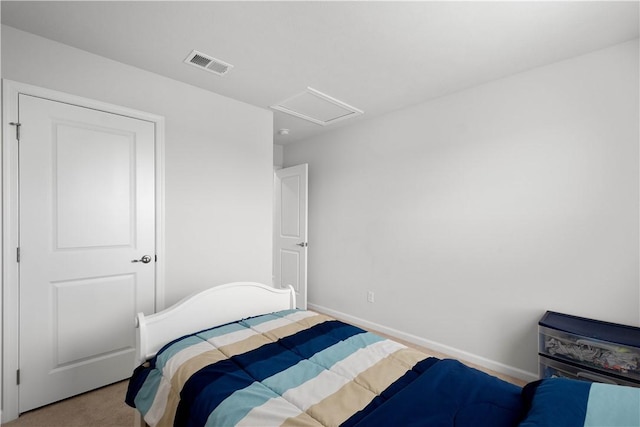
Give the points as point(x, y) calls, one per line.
point(147, 393)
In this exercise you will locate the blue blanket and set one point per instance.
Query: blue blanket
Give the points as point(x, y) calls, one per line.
point(450, 394)
point(301, 368)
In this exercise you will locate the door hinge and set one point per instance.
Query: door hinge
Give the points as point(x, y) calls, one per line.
point(18, 254)
point(17, 125)
point(18, 377)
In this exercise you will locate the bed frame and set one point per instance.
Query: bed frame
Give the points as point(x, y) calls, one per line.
point(212, 307)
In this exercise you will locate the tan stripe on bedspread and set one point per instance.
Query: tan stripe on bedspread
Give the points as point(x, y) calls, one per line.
point(293, 328)
point(170, 411)
point(380, 376)
point(193, 365)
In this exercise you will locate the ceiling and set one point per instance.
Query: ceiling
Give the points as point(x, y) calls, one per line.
point(376, 56)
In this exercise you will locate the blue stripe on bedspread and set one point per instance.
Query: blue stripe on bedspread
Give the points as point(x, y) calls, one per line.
point(198, 398)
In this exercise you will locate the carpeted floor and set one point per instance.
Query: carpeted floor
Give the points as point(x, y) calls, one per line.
point(104, 407)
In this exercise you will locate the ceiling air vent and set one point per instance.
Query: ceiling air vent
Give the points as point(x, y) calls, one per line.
point(317, 107)
point(208, 63)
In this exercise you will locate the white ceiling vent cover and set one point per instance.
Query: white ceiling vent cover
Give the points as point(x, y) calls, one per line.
point(208, 63)
point(317, 107)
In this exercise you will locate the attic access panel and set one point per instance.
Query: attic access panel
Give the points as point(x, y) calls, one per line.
point(317, 107)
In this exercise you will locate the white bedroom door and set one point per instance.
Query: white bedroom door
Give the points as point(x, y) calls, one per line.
point(291, 230)
point(87, 210)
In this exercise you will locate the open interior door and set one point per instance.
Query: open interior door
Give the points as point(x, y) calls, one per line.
point(290, 232)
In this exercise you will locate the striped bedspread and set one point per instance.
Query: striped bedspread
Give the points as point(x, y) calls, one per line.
point(290, 368)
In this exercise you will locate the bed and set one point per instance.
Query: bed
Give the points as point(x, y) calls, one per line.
point(242, 354)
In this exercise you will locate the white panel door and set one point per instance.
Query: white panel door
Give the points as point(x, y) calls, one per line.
point(291, 230)
point(86, 212)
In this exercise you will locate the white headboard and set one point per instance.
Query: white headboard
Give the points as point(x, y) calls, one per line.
point(212, 307)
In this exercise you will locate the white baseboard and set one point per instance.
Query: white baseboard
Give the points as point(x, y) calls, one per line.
point(441, 348)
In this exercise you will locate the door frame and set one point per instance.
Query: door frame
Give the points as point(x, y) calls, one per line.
point(9, 299)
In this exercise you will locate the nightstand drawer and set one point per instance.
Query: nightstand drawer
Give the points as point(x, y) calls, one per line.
point(550, 368)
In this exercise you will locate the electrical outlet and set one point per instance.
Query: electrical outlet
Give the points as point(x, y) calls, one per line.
point(370, 296)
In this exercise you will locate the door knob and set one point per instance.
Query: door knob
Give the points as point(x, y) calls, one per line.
point(145, 259)
point(302, 244)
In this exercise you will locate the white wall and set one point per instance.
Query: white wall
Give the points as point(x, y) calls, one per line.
point(472, 214)
point(219, 159)
point(278, 156)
